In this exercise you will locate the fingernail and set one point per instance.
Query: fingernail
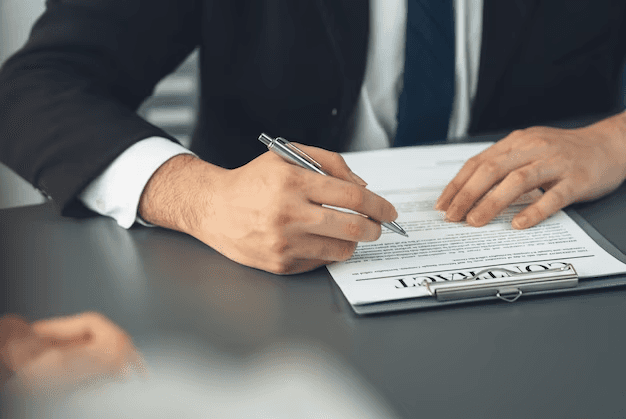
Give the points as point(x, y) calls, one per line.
point(451, 216)
point(358, 179)
point(519, 222)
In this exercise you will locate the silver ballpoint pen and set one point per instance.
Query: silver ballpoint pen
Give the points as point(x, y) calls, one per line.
point(291, 153)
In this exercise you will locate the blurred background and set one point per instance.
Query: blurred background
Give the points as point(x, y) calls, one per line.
point(172, 106)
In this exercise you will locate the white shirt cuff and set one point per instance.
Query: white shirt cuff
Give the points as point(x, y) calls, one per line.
point(116, 192)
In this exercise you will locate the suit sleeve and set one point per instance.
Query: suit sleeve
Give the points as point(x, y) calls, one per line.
point(68, 98)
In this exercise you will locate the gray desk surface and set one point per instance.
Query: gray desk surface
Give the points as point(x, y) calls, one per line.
point(557, 357)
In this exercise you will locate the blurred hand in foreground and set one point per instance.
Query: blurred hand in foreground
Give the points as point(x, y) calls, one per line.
point(58, 355)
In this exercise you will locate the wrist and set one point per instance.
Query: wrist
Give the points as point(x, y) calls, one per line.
point(179, 193)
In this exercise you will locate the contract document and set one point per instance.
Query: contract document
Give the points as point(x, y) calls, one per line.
point(390, 273)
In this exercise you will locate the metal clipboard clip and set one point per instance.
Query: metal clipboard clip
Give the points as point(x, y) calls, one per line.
point(508, 288)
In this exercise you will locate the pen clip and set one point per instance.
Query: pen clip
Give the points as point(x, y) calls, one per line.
point(299, 152)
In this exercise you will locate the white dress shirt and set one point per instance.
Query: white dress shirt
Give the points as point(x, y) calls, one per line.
point(117, 190)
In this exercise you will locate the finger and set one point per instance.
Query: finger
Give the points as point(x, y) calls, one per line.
point(332, 163)
point(62, 328)
point(468, 169)
point(454, 186)
point(514, 185)
point(303, 265)
point(556, 198)
point(13, 327)
point(103, 335)
point(338, 193)
point(62, 331)
point(18, 344)
point(61, 342)
point(516, 147)
point(328, 222)
point(305, 253)
point(134, 365)
point(485, 176)
point(329, 249)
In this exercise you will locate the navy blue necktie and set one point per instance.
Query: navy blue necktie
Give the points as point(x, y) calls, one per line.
point(425, 103)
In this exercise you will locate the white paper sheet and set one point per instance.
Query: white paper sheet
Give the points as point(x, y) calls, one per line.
point(393, 267)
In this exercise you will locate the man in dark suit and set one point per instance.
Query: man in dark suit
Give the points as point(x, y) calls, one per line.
point(297, 68)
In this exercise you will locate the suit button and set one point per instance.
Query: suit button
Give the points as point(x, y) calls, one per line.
point(334, 112)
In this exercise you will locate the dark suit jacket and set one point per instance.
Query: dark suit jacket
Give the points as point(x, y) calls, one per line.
point(68, 99)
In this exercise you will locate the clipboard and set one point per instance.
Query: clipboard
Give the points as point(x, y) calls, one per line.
point(511, 288)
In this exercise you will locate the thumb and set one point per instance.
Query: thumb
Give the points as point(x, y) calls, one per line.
point(332, 163)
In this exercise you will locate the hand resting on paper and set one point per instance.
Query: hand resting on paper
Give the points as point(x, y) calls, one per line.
point(571, 165)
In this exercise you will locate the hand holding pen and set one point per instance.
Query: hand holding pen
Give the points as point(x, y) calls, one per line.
point(269, 214)
point(293, 154)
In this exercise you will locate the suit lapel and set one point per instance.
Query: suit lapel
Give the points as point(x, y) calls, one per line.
point(504, 23)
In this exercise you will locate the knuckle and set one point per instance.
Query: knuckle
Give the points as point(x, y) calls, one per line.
point(520, 177)
point(363, 230)
point(337, 159)
point(473, 162)
point(346, 250)
point(536, 138)
point(490, 167)
point(456, 184)
point(524, 139)
point(279, 246)
point(518, 133)
point(355, 196)
point(283, 216)
point(337, 250)
point(320, 218)
point(354, 230)
point(288, 177)
point(279, 263)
